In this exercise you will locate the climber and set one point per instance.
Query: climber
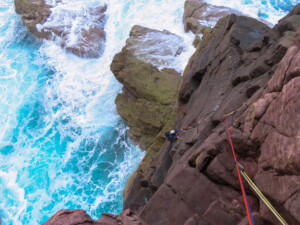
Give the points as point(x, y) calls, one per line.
point(172, 135)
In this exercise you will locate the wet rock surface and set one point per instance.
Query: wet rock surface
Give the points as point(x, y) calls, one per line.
point(148, 100)
point(84, 39)
point(69, 216)
point(245, 65)
point(198, 15)
point(244, 68)
point(80, 217)
point(34, 12)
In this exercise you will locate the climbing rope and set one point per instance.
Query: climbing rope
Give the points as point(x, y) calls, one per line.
point(240, 170)
point(206, 117)
point(262, 197)
point(249, 214)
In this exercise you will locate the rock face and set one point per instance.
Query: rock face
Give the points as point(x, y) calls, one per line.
point(148, 101)
point(80, 217)
point(68, 217)
point(249, 72)
point(198, 15)
point(85, 41)
point(34, 12)
point(240, 64)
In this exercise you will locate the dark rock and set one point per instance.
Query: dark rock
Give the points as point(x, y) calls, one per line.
point(186, 199)
point(108, 219)
point(90, 40)
point(71, 217)
point(257, 220)
point(293, 206)
point(89, 45)
point(201, 180)
point(148, 101)
point(194, 180)
point(196, 220)
point(199, 15)
point(34, 12)
point(222, 212)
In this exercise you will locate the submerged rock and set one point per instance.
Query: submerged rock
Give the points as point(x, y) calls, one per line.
point(90, 43)
point(198, 15)
point(85, 39)
point(34, 12)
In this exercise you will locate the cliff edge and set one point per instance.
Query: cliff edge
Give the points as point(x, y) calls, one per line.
point(241, 66)
point(249, 73)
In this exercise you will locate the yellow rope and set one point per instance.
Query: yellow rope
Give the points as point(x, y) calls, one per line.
point(263, 198)
point(228, 114)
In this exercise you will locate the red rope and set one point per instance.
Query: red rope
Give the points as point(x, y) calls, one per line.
point(240, 179)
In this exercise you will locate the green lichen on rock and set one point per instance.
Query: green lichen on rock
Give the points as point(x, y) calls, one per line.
point(145, 118)
point(144, 80)
point(148, 103)
point(153, 150)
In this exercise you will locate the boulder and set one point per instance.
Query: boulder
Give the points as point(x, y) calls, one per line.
point(86, 41)
point(198, 15)
point(90, 43)
point(148, 100)
point(34, 12)
point(71, 217)
point(80, 217)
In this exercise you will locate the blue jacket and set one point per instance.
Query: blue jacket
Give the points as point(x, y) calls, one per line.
point(172, 137)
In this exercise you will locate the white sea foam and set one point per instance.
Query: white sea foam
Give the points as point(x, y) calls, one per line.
point(256, 8)
point(62, 149)
point(10, 190)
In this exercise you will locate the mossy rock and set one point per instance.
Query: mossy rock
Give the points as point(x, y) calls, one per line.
point(197, 41)
point(144, 80)
point(145, 118)
point(154, 149)
point(129, 183)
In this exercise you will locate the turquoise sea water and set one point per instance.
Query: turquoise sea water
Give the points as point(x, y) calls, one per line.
point(62, 144)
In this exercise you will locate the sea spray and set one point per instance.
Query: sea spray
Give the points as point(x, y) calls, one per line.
point(269, 10)
point(67, 147)
point(62, 144)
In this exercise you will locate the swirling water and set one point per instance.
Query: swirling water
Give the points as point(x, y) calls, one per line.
point(62, 144)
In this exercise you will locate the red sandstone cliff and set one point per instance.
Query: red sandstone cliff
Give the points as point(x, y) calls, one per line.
point(241, 64)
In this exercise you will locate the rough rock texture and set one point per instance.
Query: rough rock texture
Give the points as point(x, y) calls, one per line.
point(244, 67)
point(198, 15)
point(71, 217)
point(34, 12)
point(80, 217)
point(85, 41)
point(238, 65)
point(90, 37)
point(148, 101)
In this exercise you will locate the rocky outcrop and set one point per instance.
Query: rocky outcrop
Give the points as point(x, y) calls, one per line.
point(199, 16)
point(238, 65)
point(84, 41)
point(148, 101)
point(69, 216)
point(249, 72)
point(34, 12)
point(76, 217)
